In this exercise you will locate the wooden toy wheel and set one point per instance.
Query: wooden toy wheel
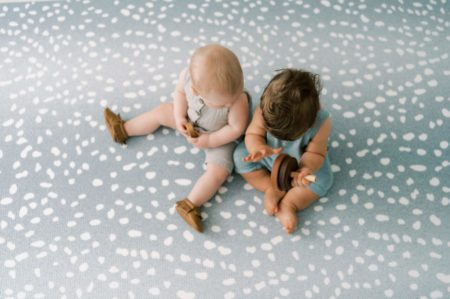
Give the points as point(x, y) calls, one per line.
point(283, 166)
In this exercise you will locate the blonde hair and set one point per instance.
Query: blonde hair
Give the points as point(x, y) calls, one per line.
point(214, 67)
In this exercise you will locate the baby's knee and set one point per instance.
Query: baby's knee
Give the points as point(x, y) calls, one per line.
point(239, 153)
point(217, 171)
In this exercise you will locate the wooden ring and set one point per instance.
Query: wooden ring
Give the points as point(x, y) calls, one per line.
point(283, 166)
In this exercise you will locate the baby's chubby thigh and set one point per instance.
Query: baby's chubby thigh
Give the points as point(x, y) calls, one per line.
point(221, 157)
point(240, 152)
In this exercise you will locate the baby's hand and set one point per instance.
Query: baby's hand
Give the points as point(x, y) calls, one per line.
point(261, 153)
point(201, 142)
point(303, 177)
point(181, 126)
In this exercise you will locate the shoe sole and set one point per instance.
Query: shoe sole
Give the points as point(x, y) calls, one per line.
point(107, 114)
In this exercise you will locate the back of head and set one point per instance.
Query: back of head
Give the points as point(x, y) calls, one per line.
point(214, 67)
point(290, 103)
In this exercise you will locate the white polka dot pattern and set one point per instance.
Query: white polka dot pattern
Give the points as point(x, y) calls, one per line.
point(82, 217)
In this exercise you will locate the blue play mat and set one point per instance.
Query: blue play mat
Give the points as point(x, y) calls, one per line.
point(83, 217)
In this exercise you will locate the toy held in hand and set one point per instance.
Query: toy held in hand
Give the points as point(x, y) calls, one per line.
point(283, 169)
point(191, 131)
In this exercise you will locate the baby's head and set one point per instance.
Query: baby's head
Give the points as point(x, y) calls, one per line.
point(216, 76)
point(290, 103)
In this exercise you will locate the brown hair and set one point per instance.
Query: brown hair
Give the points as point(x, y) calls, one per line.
point(219, 66)
point(290, 103)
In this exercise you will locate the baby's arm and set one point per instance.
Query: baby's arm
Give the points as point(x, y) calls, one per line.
point(237, 122)
point(255, 139)
point(315, 153)
point(180, 103)
point(255, 136)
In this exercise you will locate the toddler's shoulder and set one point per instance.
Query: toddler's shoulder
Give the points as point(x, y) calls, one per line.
point(323, 114)
point(321, 117)
point(323, 120)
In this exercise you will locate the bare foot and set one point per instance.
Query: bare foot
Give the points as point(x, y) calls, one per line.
point(271, 199)
point(288, 217)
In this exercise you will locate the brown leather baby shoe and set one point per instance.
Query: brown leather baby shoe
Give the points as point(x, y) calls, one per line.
point(115, 126)
point(190, 214)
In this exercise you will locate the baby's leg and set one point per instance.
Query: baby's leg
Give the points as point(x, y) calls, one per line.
point(271, 199)
point(260, 180)
point(208, 184)
point(150, 121)
point(297, 199)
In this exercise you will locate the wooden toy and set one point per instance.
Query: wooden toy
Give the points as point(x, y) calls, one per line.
point(283, 167)
point(191, 131)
